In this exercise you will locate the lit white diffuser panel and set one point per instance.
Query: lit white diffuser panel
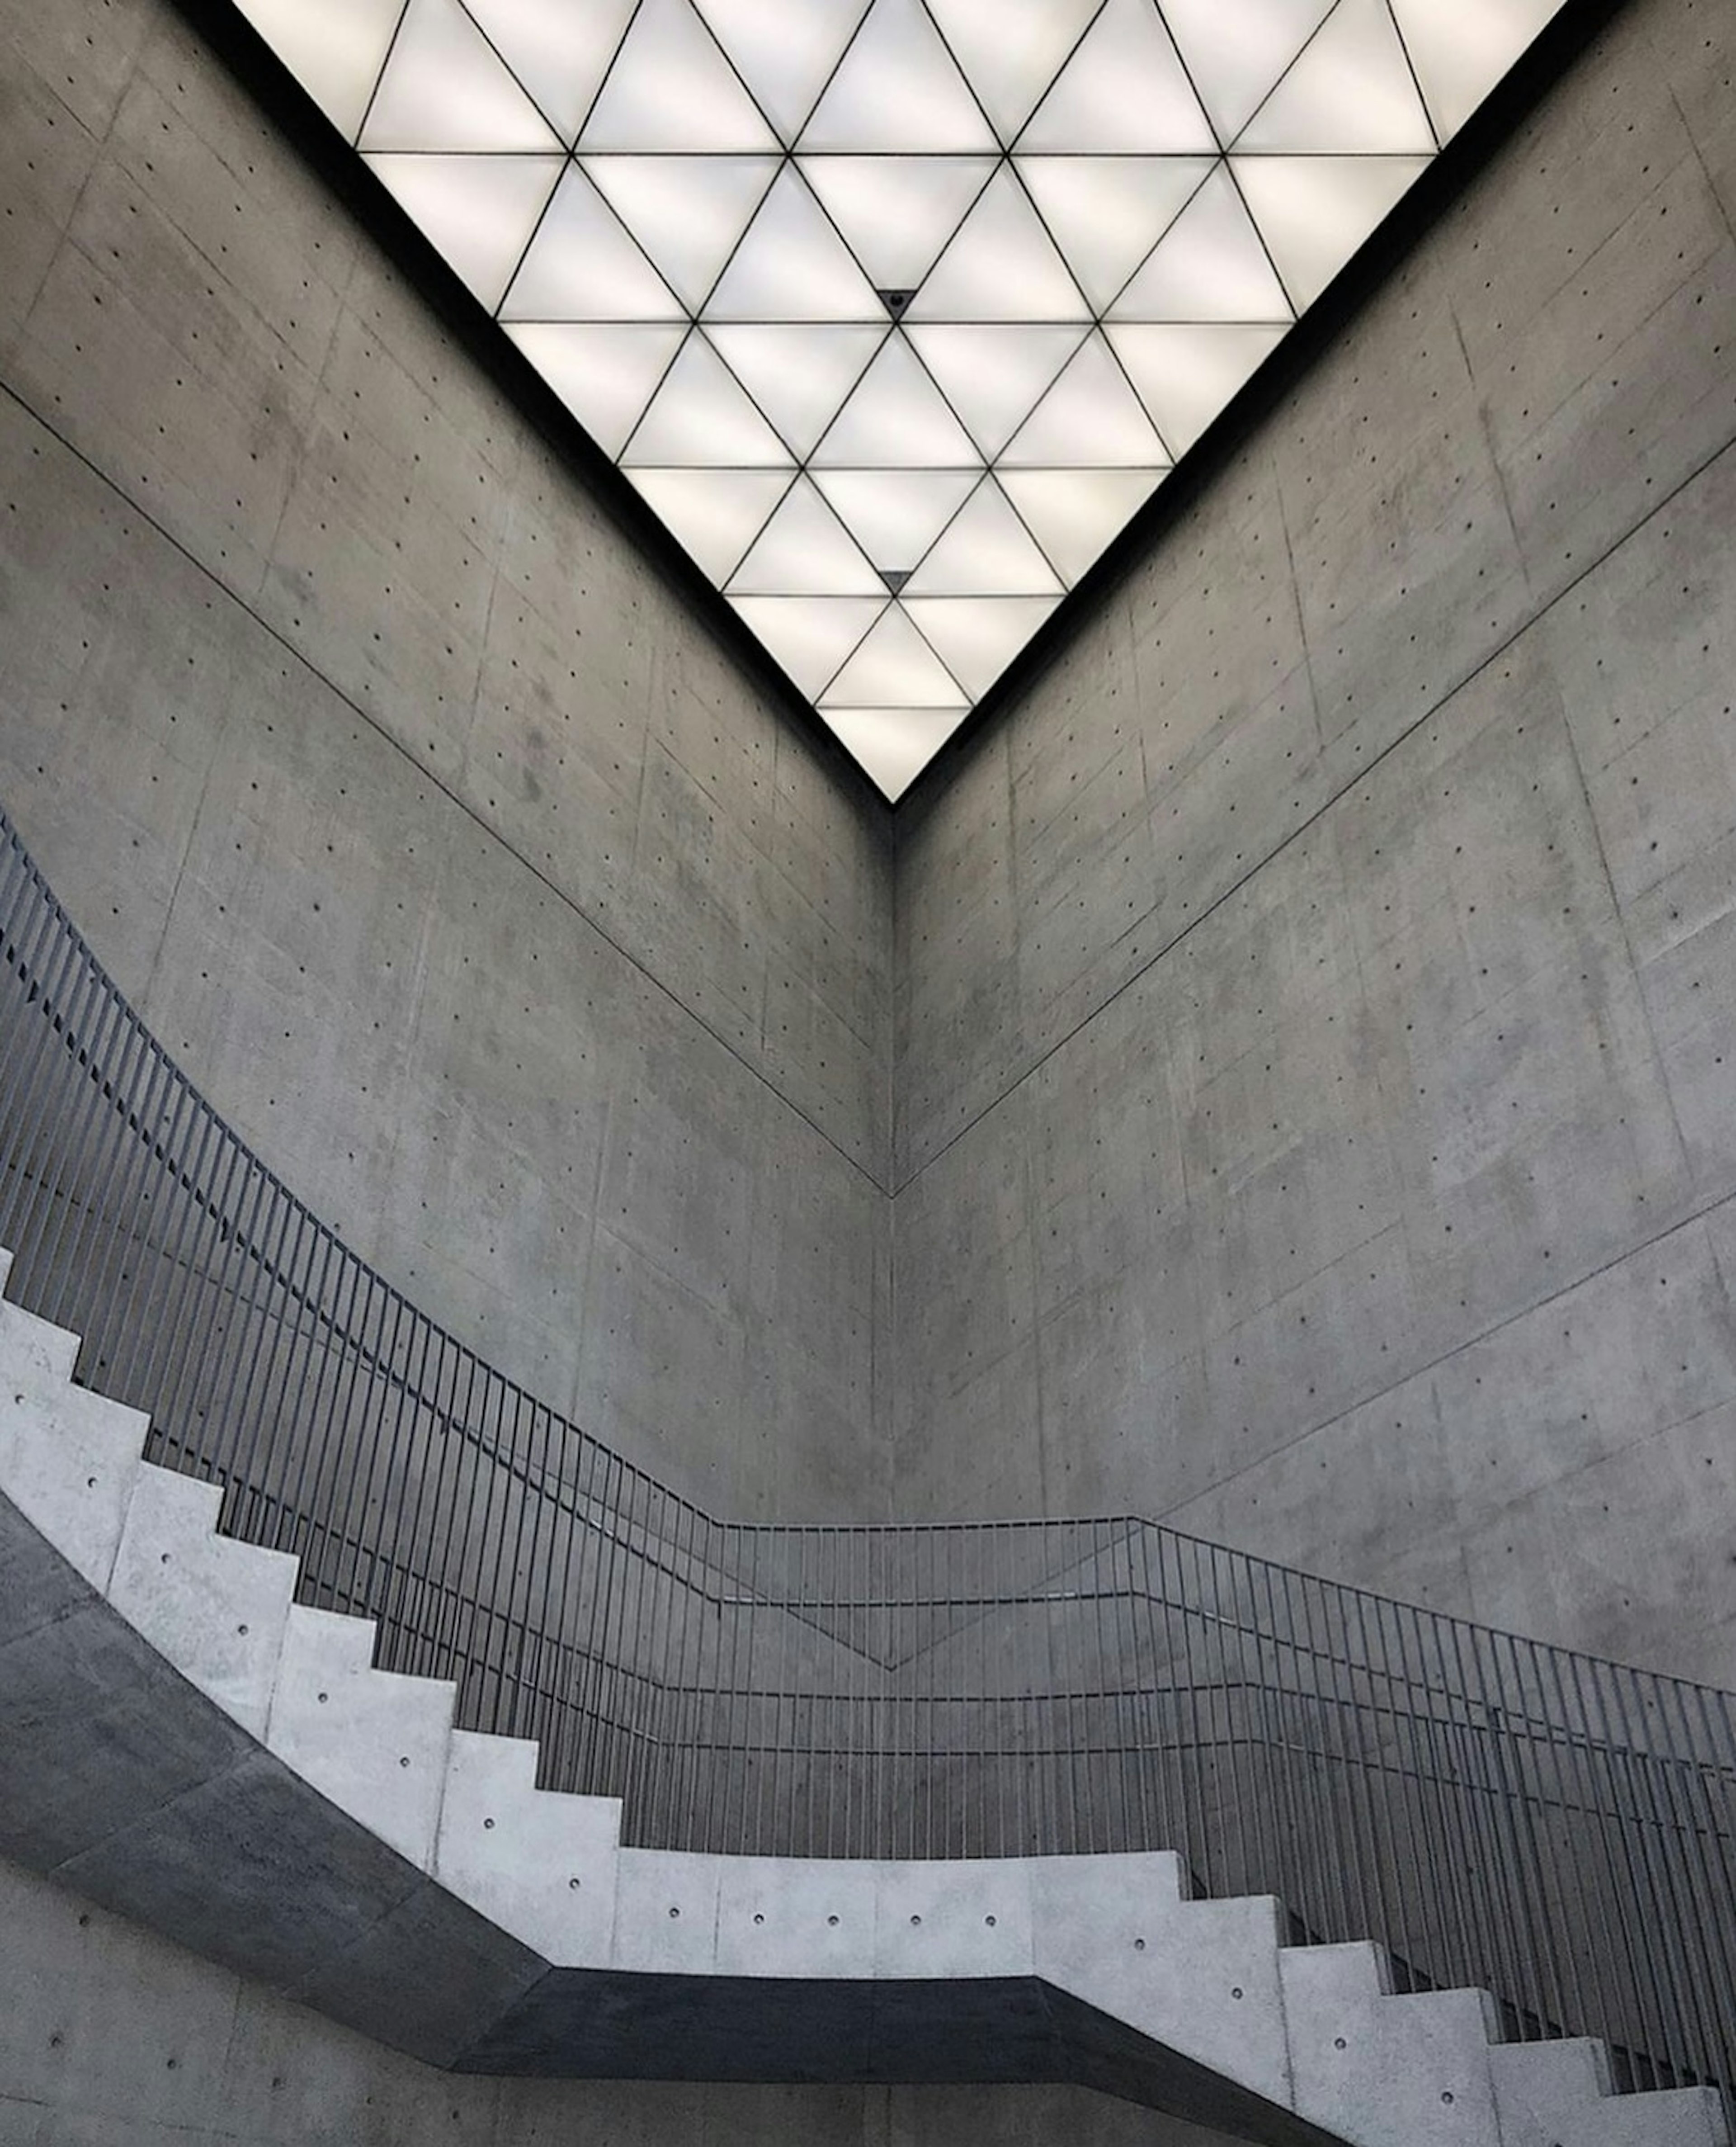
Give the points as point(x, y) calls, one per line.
point(894, 745)
point(896, 312)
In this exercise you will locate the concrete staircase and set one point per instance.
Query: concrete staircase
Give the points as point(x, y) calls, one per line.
point(182, 1741)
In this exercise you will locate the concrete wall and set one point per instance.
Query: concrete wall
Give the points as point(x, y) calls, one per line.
point(110, 2037)
point(1310, 1062)
point(1315, 1057)
point(1316, 1065)
point(502, 910)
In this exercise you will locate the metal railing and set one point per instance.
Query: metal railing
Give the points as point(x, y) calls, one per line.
point(1556, 1828)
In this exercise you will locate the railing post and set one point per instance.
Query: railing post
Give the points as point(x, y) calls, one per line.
point(1486, 1806)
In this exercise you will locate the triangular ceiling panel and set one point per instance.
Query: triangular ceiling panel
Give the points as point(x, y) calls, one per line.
point(1002, 266)
point(792, 266)
point(1075, 514)
point(898, 89)
point(688, 213)
point(893, 745)
point(1124, 92)
point(897, 311)
point(445, 87)
point(805, 550)
point(798, 372)
point(605, 374)
point(1460, 52)
point(1090, 417)
point(978, 637)
point(896, 515)
point(893, 667)
point(560, 54)
point(995, 374)
point(897, 213)
point(984, 551)
point(1108, 212)
point(811, 637)
point(1314, 212)
point(716, 513)
point(582, 265)
point(1012, 50)
point(896, 417)
point(1210, 265)
point(1349, 90)
point(1237, 54)
point(701, 418)
point(479, 211)
point(671, 89)
point(334, 48)
point(784, 50)
point(1185, 372)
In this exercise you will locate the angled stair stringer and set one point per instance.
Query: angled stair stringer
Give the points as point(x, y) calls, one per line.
point(141, 1655)
point(182, 1742)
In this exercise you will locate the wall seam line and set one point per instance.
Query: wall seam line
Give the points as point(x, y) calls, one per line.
point(1685, 1221)
point(1326, 807)
point(437, 781)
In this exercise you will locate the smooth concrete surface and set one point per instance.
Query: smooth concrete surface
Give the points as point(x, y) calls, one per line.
point(1316, 1075)
point(111, 2037)
point(318, 1827)
point(1314, 1078)
point(504, 913)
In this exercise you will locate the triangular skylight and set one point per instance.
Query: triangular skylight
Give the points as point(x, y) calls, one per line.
point(897, 311)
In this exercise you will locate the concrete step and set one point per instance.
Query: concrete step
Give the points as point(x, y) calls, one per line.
point(1557, 2095)
point(1200, 1976)
point(1315, 2031)
point(376, 1742)
point(218, 1608)
point(536, 1863)
point(1372, 2068)
point(68, 1458)
point(1569, 2073)
point(34, 1349)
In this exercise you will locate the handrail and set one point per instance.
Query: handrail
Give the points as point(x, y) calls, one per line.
point(1557, 1828)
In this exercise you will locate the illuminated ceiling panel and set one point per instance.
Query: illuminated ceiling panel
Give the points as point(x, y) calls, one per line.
point(897, 311)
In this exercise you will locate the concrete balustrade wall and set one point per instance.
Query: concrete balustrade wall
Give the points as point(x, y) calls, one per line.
point(114, 2038)
point(1316, 1067)
point(504, 911)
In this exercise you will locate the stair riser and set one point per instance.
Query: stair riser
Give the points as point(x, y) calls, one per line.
point(411, 1879)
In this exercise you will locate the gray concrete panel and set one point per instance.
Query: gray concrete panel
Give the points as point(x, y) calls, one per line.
point(96, 2009)
point(401, 789)
point(479, 1032)
point(1420, 1037)
point(1315, 1070)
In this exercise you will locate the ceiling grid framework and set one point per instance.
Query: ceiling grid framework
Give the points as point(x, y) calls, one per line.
point(896, 312)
